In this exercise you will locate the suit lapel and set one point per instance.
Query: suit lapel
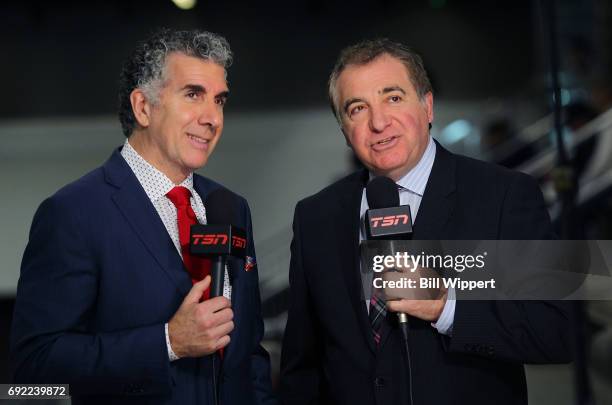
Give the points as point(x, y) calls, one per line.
point(434, 212)
point(348, 237)
point(139, 213)
point(438, 199)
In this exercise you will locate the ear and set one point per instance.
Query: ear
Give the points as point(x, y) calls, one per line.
point(141, 108)
point(428, 103)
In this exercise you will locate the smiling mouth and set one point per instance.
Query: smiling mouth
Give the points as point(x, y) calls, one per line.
point(384, 141)
point(198, 140)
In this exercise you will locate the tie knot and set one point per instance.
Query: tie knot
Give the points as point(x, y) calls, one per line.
point(179, 196)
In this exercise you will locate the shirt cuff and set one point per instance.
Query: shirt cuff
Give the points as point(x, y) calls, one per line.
point(444, 325)
point(171, 355)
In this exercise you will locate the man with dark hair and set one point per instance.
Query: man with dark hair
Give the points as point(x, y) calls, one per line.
point(110, 300)
point(342, 348)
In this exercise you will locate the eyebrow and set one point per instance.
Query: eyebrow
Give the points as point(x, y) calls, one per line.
point(194, 87)
point(201, 89)
point(223, 94)
point(392, 89)
point(348, 103)
point(386, 90)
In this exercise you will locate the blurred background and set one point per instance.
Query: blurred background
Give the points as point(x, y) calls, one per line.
point(489, 65)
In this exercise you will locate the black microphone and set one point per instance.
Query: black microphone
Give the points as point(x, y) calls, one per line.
point(219, 238)
point(386, 219)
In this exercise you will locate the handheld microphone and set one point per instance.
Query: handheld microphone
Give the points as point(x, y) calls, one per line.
point(219, 238)
point(386, 219)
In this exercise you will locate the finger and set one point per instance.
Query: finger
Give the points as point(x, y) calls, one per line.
point(391, 306)
point(216, 304)
point(222, 342)
point(223, 316)
point(195, 294)
point(226, 328)
point(398, 305)
point(222, 330)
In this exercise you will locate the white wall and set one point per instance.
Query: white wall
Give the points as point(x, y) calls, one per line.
point(272, 159)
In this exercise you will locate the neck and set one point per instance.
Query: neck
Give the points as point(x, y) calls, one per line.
point(394, 175)
point(149, 152)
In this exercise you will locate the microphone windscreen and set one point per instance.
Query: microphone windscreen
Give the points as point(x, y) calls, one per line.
point(382, 192)
point(221, 207)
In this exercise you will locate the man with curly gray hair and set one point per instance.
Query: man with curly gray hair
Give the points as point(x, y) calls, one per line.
point(110, 298)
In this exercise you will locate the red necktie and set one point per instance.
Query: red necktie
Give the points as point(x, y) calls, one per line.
point(198, 267)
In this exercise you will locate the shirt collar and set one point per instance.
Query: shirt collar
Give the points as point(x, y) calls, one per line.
point(155, 183)
point(416, 179)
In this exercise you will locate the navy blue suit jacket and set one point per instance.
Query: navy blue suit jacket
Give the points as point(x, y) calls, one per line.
point(99, 279)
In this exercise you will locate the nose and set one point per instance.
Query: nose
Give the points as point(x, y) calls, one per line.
point(379, 119)
point(211, 115)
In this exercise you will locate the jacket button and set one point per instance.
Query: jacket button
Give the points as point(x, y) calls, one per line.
point(379, 382)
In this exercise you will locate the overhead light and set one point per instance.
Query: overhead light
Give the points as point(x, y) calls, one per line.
point(185, 4)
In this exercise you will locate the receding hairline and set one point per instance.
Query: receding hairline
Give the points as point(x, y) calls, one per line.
point(339, 109)
point(368, 62)
point(172, 56)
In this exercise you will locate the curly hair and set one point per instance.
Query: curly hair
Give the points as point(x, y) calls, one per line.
point(145, 68)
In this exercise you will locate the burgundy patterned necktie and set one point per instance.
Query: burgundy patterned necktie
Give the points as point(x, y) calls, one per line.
point(378, 312)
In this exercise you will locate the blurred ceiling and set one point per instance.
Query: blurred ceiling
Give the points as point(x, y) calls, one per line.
point(63, 58)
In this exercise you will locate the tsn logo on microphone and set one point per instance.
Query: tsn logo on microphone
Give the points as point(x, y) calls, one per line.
point(218, 239)
point(389, 220)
